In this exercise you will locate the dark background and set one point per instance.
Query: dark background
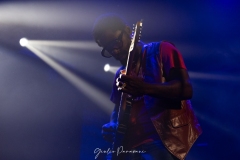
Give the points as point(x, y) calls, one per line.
point(44, 117)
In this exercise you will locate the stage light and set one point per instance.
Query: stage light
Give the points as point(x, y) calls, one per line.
point(111, 69)
point(23, 42)
point(198, 75)
point(89, 45)
point(96, 95)
point(106, 67)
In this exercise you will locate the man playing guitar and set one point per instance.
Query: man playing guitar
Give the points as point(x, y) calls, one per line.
point(161, 121)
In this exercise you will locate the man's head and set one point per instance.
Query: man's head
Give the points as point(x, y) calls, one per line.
point(111, 32)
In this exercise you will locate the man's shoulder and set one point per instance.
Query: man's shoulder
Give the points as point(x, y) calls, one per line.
point(162, 42)
point(153, 44)
point(152, 47)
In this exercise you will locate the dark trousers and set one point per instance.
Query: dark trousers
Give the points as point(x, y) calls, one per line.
point(151, 151)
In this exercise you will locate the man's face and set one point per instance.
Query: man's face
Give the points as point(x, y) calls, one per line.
point(116, 44)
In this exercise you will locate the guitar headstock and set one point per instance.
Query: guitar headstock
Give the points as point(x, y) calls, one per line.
point(136, 35)
point(137, 30)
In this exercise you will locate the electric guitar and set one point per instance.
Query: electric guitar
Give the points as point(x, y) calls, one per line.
point(126, 99)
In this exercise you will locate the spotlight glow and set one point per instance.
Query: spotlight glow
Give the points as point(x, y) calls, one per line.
point(97, 96)
point(111, 69)
point(106, 67)
point(198, 75)
point(89, 45)
point(23, 42)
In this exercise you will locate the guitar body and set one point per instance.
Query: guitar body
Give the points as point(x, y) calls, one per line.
point(126, 102)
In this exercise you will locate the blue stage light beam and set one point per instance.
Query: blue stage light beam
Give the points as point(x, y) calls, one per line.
point(97, 96)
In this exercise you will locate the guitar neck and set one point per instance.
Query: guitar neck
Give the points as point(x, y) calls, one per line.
point(126, 99)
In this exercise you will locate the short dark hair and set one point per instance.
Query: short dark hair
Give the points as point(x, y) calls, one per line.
point(110, 21)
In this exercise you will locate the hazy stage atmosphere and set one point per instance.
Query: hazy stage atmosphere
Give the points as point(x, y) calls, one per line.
point(54, 92)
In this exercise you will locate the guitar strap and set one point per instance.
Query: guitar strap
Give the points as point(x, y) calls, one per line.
point(140, 60)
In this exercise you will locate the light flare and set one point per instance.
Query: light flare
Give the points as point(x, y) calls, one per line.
point(99, 97)
point(23, 42)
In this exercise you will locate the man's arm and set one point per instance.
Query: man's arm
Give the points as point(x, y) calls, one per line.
point(114, 115)
point(178, 87)
point(109, 129)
